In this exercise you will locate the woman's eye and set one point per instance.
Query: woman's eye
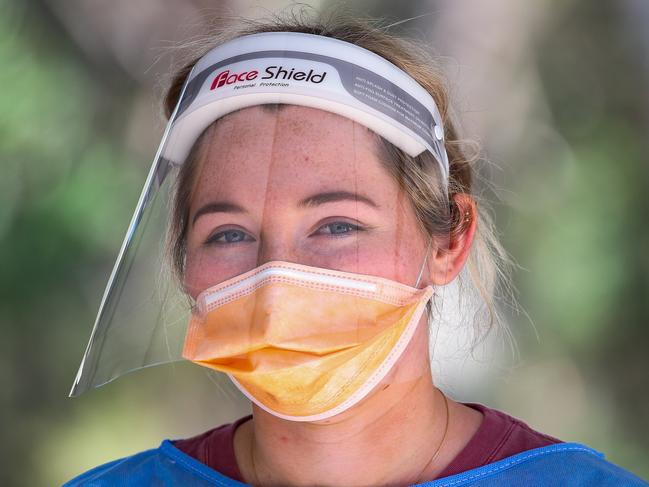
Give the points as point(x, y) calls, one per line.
point(337, 228)
point(229, 237)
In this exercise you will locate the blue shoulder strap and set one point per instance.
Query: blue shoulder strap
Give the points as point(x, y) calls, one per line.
point(166, 465)
point(559, 464)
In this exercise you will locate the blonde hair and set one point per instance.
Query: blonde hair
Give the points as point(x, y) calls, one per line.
point(486, 276)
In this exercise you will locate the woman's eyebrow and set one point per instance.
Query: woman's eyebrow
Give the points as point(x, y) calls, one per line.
point(218, 207)
point(328, 197)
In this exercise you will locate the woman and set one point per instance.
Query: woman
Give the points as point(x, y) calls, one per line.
point(322, 202)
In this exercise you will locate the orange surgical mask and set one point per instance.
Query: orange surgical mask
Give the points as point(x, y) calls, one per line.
point(301, 342)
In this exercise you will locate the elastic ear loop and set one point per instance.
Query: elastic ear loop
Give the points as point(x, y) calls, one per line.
point(423, 265)
point(433, 335)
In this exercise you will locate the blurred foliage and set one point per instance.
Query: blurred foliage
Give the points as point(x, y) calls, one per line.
point(60, 224)
point(68, 187)
point(592, 256)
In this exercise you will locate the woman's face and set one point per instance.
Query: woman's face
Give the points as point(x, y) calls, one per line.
point(299, 185)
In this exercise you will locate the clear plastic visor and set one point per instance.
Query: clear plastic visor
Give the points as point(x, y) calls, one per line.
point(262, 185)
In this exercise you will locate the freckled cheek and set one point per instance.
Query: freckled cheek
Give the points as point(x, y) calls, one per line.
point(195, 279)
point(396, 257)
point(204, 271)
point(391, 266)
point(368, 261)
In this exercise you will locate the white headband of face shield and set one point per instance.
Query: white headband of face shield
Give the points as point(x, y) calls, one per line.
point(313, 71)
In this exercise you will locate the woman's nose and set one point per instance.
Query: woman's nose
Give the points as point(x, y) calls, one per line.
point(276, 249)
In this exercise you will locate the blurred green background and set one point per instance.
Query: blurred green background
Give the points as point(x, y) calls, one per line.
point(556, 91)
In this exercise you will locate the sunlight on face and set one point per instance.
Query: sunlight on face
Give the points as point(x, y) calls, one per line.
point(301, 185)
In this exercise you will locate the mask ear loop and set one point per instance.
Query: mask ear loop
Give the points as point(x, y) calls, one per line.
point(436, 314)
point(423, 265)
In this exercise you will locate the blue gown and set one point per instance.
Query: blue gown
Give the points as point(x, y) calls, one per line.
point(562, 464)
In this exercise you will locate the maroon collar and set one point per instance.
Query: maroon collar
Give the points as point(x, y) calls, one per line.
point(499, 436)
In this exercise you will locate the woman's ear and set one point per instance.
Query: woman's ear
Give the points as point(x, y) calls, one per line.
point(446, 261)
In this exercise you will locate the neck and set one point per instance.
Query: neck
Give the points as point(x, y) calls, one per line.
point(393, 434)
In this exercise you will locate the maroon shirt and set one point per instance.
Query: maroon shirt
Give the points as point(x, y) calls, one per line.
point(499, 436)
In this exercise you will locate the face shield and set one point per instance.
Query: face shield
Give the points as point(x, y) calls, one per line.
point(278, 238)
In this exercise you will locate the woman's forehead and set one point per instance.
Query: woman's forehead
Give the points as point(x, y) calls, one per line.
point(289, 151)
